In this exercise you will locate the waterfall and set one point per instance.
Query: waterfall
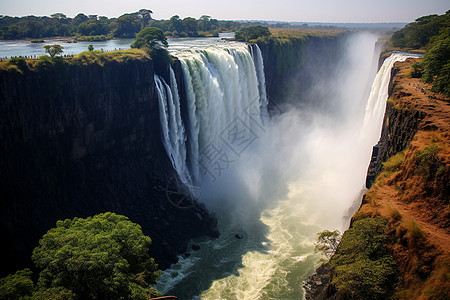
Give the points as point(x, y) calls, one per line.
point(259, 64)
point(173, 130)
point(376, 104)
point(301, 177)
point(225, 102)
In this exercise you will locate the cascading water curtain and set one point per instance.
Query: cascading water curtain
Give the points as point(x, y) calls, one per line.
point(226, 103)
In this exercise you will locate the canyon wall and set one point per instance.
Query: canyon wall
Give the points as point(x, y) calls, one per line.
point(84, 138)
point(399, 127)
point(81, 139)
point(293, 65)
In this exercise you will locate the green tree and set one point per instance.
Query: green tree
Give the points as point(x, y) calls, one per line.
point(53, 50)
point(91, 48)
point(362, 265)
point(145, 15)
point(153, 40)
point(327, 242)
point(100, 257)
point(17, 286)
point(247, 34)
point(150, 37)
point(190, 26)
point(59, 16)
point(126, 26)
point(436, 65)
point(176, 24)
point(80, 18)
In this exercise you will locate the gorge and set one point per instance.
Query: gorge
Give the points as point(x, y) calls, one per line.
point(274, 138)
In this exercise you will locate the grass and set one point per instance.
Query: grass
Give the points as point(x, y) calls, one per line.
point(415, 233)
point(19, 65)
point(428, 164)
point(301, 33)
point(394, 214)
point(394, 163)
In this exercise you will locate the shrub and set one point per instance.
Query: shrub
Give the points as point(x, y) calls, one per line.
point(394, 163)
point(363, 268)
point(327, 242)
point(415, 233)
point(247, 34)
point(17, 286)
point(428, 165)
point(100, 257)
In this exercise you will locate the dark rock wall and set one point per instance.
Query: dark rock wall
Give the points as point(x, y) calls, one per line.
point(399, 127)
point(81, 140)
point(293, 69)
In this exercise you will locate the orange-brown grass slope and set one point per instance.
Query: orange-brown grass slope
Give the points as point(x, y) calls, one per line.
point(412, 192)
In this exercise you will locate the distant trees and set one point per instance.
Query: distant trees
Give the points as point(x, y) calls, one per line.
point(432, 33)
point(100, 257)
point(247, 34)
point(125, 26)
point(418, 34)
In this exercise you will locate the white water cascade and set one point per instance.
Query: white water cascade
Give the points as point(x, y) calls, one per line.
point(297, 175)
point(376, 105)
point(172, 125)
point(226, 98)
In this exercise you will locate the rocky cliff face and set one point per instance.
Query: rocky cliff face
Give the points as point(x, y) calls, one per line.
point(292, 67)
point(410, 192)
point(399, 127)
point(78, 140)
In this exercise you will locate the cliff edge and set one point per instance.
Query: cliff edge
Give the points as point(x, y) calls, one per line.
point(81, 136)
point(404, 216)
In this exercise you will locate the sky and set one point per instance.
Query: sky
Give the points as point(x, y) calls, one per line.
point(331, 11)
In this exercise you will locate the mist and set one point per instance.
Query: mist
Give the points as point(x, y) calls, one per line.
point(301, 172)
point(309, 153)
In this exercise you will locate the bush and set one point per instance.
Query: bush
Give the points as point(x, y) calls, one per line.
point(247, 34)
point(415, 233)
point(100, 257)
point(363, 268)
point(17, 286)
point(428, 165)
point(394, 163)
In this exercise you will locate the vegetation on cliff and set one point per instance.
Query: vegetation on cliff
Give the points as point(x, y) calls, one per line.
point(430, 33)
point(153, 41)
point(363, 267)
point(412, 195)
point(100, 257)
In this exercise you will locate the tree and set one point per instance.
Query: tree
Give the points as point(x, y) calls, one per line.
point(176, 24)
point(327, 242)
point(145, 15)
point(17, 286)
point(59, 16)
point(91, 48)
point(252, 33)
point(190, 26)
point(126, 26)
point(436, 65)
point(150, 37)
point(362, 266)
point(100, 257)
point(80, 18)
point(53, 50)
